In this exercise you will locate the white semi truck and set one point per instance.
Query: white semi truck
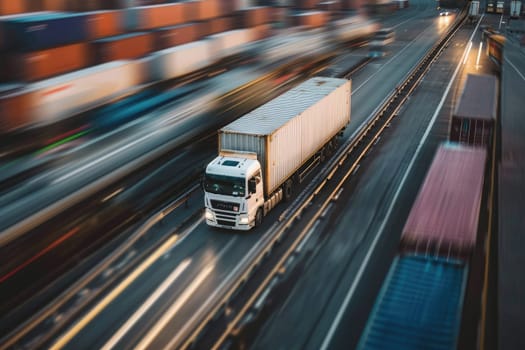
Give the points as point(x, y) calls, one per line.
point(266, 152)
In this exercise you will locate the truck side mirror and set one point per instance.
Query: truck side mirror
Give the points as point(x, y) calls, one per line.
point(252, 186)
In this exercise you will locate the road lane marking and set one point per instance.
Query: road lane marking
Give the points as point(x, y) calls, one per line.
point(479, 54)
point(106, 156)
point(387, 62)
point(73, 331)
point(155, 330)
point(183, 298)
point(469, 46)
point(516, 69)
point(357, 279)
point(147, 305)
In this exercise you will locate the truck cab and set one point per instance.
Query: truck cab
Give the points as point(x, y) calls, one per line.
point(234, 194)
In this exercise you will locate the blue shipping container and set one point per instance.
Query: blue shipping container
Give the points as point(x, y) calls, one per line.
point(419, 305)
point(45, 30)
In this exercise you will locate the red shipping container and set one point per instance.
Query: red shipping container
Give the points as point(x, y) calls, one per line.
point(11, 7)
point(127, 46)
point(102, 24)
point(444, 217)
point(177, 35)
point(42, 64)
point(255, 16)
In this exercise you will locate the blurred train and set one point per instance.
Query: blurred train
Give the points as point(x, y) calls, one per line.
point(434, 281)
point(52, 100)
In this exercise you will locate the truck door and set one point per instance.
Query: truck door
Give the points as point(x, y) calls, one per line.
point(256, 196)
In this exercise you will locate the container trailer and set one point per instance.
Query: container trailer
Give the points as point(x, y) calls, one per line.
point(475, 114)
point(266, 152)
point(419, 305)
point(444, 217)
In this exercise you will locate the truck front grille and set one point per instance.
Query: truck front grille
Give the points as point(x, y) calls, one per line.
point(228, 206)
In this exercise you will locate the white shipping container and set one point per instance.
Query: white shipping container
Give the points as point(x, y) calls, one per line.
point(290, 129)
point(230, 43)
point(179, 60)
point(57, 98)
point(515, 8)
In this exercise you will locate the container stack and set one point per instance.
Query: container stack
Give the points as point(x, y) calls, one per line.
point(421, 301)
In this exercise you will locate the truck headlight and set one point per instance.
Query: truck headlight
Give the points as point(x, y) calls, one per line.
point(209, 215)
point(244, 219)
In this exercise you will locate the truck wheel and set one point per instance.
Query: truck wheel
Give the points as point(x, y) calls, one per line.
point(258, 217)
point(288, 190)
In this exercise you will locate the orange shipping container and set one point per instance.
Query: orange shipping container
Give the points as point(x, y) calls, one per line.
point(209, 9)
point(305, 4)
point(11, 7)
point(156, 16)
point(314, 19)
point(254, 16)
point(125, 46)
point(14, 110)
point(42, 64)
point(177, 35)
point(102, 24)
point(262, 31)
point(218, 25)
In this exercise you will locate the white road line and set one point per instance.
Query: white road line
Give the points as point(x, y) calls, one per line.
point(479, 53)
point(147, 305)
point(183, 298)
point(206, 304)
point(516, 69)
point(469, 46)
point(106, 156)
point(175, 307)
point(387, 62)
point(500, 21)
point(361, 270)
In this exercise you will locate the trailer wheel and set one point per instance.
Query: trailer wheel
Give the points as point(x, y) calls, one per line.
point(258, 217)
point(288, 190)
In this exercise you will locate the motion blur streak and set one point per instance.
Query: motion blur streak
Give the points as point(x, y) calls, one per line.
point(147, 305)
point(62, 141)
point(72, 332)
point(98, 160)
point(41, 253)
point(67, 134)
point(146, 341)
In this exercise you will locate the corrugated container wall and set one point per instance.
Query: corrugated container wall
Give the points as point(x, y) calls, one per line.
point(418, 307)
point(177, 35)
point(126, 46)
point(180, 60)
point(290, 129)
point(45, 30)
point(42, 64)
point(444, 217)
point(11, 7)
point(102, 24)
point(156, 16)
point(53, 99)
point(476, 111)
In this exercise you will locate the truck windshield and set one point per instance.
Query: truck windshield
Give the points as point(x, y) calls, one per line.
point(227, 185)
